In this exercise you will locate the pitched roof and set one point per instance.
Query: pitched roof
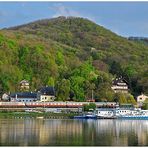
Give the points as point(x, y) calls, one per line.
point(24, 95)
point(119, 80)
point(24, 81)
point(48, 90)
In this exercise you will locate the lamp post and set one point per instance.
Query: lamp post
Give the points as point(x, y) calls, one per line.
point(92, 94)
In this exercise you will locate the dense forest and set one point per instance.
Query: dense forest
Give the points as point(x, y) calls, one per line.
point(74, 55)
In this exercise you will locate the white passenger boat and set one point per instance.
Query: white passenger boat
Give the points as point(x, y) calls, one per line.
point(132, 114)
point(121, 113)
point(105, 113)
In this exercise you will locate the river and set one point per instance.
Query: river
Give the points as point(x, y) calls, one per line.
point(68, 132)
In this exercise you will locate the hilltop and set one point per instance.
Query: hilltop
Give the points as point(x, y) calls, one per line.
point(73, 54)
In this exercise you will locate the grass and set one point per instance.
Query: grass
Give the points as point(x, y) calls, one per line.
point(12, 114)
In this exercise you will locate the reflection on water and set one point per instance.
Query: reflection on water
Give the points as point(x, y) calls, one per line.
point(48, 132)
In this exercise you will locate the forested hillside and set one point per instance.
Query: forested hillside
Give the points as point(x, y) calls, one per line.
point(73, 54)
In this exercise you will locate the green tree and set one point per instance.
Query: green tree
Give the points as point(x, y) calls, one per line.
point(63, 90)
point(145, 105)
point(50, 81)
point(77, 86)
point(116, 69)
point(90, 106)
point(130, 99)
point(121, 98)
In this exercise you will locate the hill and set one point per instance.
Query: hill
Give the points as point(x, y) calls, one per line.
point(74, 54)
point(143, 40)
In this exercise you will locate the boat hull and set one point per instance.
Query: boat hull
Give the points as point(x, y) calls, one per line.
point(100, 117)
point(85, 117)
point(134, 117)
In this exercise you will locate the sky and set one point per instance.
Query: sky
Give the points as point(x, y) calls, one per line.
point(124, 18)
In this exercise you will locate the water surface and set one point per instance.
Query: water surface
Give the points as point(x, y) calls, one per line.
point(68, 132)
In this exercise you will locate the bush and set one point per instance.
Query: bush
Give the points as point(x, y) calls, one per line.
point(145, 106)
point(87, 107)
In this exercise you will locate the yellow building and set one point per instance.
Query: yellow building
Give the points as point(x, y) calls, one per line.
point(46, 94)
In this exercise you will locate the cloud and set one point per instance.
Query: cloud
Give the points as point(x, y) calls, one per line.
point(61, 10)
point(3, 16)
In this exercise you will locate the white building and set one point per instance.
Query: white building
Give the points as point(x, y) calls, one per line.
point(141, 98)
point(23, 97)
point(5, 97)
point(119, 85)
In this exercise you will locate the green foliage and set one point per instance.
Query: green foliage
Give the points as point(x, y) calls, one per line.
point(75, 52)
point(130, 99)
point(145, 106)
point(104, 92)
point(59, 58)
point(120, 97)
point(124, 98)
point(116, 69)
point(50, 81)
point(63, 90)
point(90, 106)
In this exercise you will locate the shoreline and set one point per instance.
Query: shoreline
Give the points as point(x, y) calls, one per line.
point(12, 114)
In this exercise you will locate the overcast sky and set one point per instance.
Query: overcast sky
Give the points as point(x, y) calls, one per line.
point(123, 18)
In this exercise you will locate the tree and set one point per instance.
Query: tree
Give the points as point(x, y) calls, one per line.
point(63, 90)
point(59, 58)
point(89, 87)
point(128, 73)
point(50, 81)
point(77, 86)
point(120, 97)
point(130, 99)
point(104, 92)
point(90, 106)
point(145, 105)
point(116, 69)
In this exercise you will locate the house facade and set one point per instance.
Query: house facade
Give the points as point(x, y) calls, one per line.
point(141, 98)
point(5, 97)
point(24, 85)
point(46, 94)
point(23, 97)
point(120, 85)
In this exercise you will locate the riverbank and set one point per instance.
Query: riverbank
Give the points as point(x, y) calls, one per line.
point(8, 114)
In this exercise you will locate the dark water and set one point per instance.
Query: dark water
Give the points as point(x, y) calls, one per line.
point(53, 132)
